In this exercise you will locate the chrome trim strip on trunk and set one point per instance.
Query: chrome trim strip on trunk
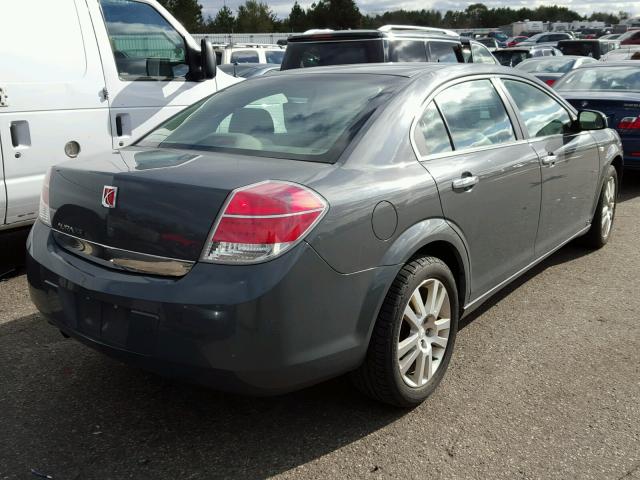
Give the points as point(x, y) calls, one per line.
point(121, 259)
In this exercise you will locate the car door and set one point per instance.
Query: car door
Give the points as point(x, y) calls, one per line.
point(145, 63)
point(569, 160)
point(487, 178)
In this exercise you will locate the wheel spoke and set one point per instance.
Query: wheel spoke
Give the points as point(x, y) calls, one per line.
point(428, 366)
point(418, 304)
point(407, 344)
point(439, 341)
point(437, 294)
point(421, 362)
point(443, 324)
point(406, 362)
point(410, 316)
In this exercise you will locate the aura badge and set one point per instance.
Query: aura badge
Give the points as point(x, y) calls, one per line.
point(109, 195)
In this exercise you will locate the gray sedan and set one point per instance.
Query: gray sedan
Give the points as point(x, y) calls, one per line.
point(550, 69)
point(320, 222)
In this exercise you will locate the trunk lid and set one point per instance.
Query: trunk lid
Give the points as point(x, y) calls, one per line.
point(166, 200)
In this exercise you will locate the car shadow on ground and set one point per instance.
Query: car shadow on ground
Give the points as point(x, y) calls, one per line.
point(630, 185)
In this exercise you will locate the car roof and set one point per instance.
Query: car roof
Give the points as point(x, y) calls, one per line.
point(621, 63)
point(525, 47)
point(560, 57)
point(369, 34)
point(409, 69)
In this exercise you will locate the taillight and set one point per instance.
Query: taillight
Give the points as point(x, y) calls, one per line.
point(261, 221)
point(44, 211)
point(629, 123)
point(550, 82)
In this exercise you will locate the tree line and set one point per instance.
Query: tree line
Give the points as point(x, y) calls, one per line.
point(255, 16)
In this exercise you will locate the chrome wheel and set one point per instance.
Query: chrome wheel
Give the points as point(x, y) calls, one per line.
point(608, 206)
point(424, 333)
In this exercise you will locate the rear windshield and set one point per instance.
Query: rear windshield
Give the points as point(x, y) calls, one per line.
point(583, 49)
point(550, 65)
point(511, 58)
point(316, 54)
point(601, 79)
point(310, 118)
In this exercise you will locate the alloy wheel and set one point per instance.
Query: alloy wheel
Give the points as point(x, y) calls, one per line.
point(424, 333)
point(608, 206)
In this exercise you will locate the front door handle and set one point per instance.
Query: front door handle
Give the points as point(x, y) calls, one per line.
point(465, 183)
point(549, 160)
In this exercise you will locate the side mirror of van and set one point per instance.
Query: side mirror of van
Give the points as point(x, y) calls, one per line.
point(207, 60)
point(591, 120)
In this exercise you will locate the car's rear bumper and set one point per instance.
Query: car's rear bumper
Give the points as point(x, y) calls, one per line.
point(261, 329)
point(631, 146)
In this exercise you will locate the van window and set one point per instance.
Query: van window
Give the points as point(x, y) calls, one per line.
point(407, 51)
point(443, 52)
point(245, 56)
point(145, 45)
point(54, 48)
point(274, 56)
point(475, 115)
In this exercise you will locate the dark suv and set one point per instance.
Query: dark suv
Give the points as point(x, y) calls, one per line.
point(377, 46)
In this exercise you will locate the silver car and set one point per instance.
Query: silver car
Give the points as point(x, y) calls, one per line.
point(321, 221)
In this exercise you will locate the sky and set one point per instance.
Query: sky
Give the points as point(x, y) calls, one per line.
point(283, 7)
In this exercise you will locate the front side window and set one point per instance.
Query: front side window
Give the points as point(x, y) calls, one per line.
point(245, 56)
point(475, 115)
point(482, 55)
point(145, 45)
point(542, 114)
point(431, 135)
point(444, 52)
point(279, 117)
point(407, 51)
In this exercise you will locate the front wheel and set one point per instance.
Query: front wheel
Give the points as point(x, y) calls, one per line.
point(602, 223)
point(413, 337)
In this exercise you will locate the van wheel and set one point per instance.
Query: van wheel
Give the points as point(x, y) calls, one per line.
point(414, 335)
point(602, 223)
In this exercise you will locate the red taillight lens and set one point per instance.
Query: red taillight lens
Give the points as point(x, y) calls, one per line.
point(550, 82)
point(629, 123)
point(44, 211)
point(262, 221)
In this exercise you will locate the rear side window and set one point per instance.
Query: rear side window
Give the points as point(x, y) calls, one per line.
point(542, 114)
point(431, 135)
point(475, 115)
point(407, 51)
point(245, 56)
point(144, 44)
point(312, 120)
point(445, 52)
point(316, 54)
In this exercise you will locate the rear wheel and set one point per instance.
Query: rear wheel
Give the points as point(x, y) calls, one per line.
point(414, 335)
point(602, 223)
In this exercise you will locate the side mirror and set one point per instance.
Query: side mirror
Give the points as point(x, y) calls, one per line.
point(591, 120)
point(207, 60)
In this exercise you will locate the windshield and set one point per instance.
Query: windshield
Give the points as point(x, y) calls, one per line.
point(302, 118)
point(601, 79)
point(511, 58)
point(551, 65)
point(315, 54)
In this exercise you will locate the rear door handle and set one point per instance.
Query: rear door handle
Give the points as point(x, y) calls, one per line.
point(549, 160)
point(465, 183)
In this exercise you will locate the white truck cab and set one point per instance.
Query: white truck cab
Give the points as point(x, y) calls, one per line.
point(79, 77)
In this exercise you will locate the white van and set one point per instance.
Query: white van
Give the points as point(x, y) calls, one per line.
point(79, 77)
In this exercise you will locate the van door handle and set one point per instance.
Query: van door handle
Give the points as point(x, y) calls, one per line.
point(465, 183)
point(20, 134)
point(549, 160)
point(123, 125)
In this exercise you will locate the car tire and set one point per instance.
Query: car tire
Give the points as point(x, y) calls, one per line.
point(602, 222)
point(398, 335)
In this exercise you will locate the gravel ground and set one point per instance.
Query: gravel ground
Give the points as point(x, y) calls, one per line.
point(544, 383)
